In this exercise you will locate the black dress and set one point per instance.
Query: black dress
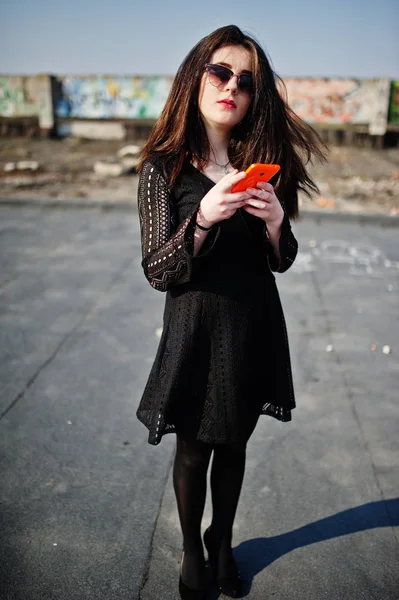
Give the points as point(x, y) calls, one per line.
point(223, 357)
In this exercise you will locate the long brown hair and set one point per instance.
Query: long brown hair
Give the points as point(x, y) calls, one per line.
point(269, 133)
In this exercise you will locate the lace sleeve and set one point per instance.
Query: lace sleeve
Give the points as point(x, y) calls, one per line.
point(167, 247)
point(288, 248)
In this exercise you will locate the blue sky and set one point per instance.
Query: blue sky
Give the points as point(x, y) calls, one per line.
point(302, 37)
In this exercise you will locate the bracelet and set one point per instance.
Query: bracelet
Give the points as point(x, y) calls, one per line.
point(203, 228)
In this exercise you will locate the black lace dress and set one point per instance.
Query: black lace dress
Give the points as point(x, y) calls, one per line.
point(223, 357)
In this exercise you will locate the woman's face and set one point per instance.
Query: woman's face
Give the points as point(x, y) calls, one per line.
point(223, 106)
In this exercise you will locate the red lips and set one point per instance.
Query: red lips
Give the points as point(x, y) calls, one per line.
point(228, 103)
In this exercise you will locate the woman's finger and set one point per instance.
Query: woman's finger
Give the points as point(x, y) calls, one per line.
point(261, 194)
point(256, 203)
point(229, 180)
point(262, 185)
point(237, 197)
point(255, 211)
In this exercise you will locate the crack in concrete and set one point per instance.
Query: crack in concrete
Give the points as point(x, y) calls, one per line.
point(3, 284)
point(90, 310)
point(147, 565)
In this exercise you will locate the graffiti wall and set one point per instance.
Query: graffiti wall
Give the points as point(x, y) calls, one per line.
point(18, 96)
point(394, 103)
point(339, 101)
point(27, 97)
point(320, 101)
point(112, 97)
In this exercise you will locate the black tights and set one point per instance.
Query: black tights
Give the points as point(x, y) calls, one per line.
point(189, 480)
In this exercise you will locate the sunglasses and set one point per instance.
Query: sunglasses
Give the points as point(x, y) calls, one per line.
point(219, 76)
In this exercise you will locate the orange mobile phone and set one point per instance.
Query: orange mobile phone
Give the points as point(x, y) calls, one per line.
point(255, 173)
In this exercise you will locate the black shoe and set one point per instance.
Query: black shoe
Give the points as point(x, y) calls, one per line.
point(187, 593)
point(229, 586)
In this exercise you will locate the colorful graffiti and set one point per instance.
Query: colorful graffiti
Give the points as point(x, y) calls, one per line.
point(113, 97)
point(17, 96)
point(338, 101)
point(321, 101)
point(23, 96)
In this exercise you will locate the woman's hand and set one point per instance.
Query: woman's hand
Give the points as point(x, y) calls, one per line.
point(268, 208)
point(264, 203)
point(220, 203)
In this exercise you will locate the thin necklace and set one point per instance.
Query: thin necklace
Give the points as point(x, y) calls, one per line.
point(222, 166)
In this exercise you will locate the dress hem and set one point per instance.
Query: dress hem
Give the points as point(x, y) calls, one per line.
point(280, 414)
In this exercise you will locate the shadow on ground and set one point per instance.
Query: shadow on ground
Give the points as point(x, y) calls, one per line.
point(259, 553)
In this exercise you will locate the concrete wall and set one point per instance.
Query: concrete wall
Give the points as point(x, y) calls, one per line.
point(107, 106)
point(112, 97)
point(27, 97)
point(341, 101)
point(394, 103)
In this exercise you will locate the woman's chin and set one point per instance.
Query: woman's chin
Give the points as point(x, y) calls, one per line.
point(224, 123)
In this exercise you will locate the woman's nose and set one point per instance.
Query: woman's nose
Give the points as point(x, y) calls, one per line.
point(232, 84)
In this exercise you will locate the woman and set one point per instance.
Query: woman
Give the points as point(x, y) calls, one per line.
point(223, 358)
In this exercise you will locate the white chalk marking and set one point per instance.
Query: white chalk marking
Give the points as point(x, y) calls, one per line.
point(362, 259)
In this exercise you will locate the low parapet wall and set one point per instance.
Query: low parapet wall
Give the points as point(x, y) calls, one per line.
point(108, 106)
point(29, 98)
